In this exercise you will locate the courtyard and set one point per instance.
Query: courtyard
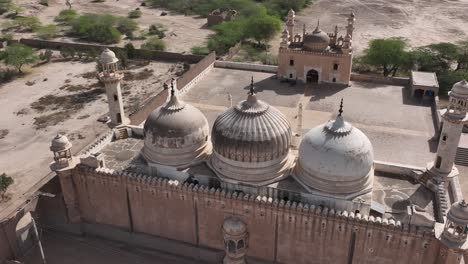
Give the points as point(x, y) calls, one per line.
point(400, 129)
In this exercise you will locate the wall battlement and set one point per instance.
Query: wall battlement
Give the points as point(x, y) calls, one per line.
point(140, 182)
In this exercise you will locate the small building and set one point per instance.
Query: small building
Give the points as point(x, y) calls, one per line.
point(221, 15)
point(317, 56)
point(424, 84)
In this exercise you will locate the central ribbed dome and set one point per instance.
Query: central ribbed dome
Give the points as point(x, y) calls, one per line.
point(251, 143)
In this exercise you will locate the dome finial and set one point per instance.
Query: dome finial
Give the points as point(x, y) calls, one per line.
point(172, 87)
point(341, 108)
point(252, 89)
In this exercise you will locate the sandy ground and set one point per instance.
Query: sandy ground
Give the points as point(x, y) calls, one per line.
point(183, 33)
point(24, 150)
point(422, 22)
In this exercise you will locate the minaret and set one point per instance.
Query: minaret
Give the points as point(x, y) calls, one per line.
point(111, 78)
point(453, 234)
point(454, 117)
point(290, 23)
point(63, 165)
point(350, 26)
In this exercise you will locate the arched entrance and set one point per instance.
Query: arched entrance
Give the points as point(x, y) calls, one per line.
point(312, 76)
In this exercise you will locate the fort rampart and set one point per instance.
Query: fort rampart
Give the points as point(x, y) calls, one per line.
point(281, 231)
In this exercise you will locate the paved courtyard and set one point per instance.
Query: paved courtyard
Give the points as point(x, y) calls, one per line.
point(400, 129)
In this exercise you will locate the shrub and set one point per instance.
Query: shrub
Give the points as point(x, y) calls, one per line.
point(135, 13)
point(157, 30)
point(126, 26)
point(66, 16)
point(46, 55)
point(5, 182)
point(17, 55)
point(22, 24)
point(47, 32)
point(154, 43)
point(200, 50)
point(44, 2)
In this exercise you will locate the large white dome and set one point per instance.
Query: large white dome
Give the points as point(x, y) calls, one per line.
point(336, 158)
point(176, 134)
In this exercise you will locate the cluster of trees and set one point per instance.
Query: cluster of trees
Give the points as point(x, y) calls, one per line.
point(204, 7)
point(97, 28)
point(392, 55)
point(257, 20)
point(259, 26)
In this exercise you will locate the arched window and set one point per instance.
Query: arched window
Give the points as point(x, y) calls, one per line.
point(231, 246)
point(116, 97)
point(444, 137)
point(240, 244)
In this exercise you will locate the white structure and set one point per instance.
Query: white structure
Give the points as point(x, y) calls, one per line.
point(61, 147)
point(176, 134)
point(336, 158)
point(454, 117)
point(251, 143)
point(111, 78)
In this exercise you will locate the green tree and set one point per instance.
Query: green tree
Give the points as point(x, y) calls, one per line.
point(130, 50)
point(5, 182)
point(262, 27)
point(99, 28)
point(154, 43)
point(448, 78)
point(389, 54)
point(17, 55)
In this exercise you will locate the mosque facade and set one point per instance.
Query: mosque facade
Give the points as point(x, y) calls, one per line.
point(317, 56)
point(243, 194)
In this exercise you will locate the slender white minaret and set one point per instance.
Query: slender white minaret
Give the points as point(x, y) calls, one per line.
point(290, 23)
point(111, 78)
point(284, 39)
point(454, 117)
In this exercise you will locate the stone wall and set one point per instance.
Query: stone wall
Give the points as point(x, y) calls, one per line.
point(246, 66)
point(185, 82)
point(286, 232)
point(139, 53)
point(356, 77)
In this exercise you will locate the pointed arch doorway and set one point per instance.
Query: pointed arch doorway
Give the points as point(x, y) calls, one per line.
point(312, 76)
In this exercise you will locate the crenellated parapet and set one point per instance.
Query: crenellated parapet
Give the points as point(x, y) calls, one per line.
point(211, 196)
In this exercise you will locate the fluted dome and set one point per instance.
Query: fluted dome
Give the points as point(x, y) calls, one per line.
point(107, 57)
point(234, 226)
point(251, 143)
point(336, 158)
point(176, 134)
point(458, 213)
point(317, 41)
point(60, 143)
point(460, 90)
